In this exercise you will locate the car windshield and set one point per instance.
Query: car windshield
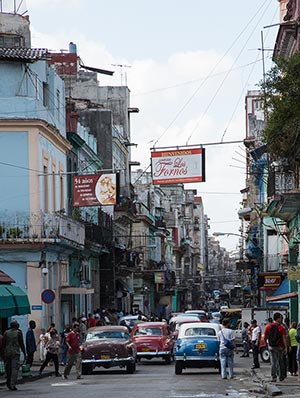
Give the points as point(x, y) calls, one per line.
point(148, 332)
point(200, 332)
point(94, 336)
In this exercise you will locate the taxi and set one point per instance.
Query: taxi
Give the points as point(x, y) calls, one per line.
point(197, 346)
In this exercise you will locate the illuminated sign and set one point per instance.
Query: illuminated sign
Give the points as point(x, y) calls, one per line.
point(178, 166)
point(95, 190)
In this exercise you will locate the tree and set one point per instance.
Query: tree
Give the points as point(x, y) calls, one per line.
point(282, 101)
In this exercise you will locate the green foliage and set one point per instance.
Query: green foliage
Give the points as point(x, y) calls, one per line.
point(282, 100)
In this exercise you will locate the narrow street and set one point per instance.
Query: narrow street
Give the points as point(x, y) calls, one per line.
point(152, 379)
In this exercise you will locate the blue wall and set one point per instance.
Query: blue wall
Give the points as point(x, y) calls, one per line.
point(14, 181)
point(21, 93)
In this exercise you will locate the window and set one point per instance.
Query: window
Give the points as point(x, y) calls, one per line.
point(11, 41)
point(45, 188)
point(46, 97)
point(58, 104)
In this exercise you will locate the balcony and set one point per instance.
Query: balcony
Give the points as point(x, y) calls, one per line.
point(125, 211)
point(285, 206)
point(40, 228)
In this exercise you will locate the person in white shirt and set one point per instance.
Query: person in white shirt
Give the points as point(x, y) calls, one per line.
point(255, 338)
point(226, 354)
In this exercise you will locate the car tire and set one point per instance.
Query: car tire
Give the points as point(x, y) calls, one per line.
point(265, 354)
point(130, 368)
point(168, 359)
point(86, 369)
point(178, 367)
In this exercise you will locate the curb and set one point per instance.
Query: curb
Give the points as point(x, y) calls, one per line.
point(271, 389)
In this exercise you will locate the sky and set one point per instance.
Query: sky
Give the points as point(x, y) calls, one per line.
point(188, 66)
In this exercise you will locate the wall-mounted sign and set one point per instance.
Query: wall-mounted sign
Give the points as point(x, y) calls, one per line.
point(36, 308)
point(159, 277)
point(293, 272)
point(95, 190)
point(178, 166)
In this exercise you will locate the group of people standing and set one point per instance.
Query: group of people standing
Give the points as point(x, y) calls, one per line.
point(12, 345)
point(281, 339)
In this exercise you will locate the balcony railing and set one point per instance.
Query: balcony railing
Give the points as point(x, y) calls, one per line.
point(40, 226)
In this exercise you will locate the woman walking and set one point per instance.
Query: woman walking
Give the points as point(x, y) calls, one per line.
point(52, 348)
point(226, 336)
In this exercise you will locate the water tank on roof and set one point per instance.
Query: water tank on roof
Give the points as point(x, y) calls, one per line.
point(72, 48)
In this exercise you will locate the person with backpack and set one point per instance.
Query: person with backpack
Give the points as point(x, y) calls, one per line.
point(275, 337)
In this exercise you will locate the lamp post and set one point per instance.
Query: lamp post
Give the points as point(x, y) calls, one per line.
point(254, 268)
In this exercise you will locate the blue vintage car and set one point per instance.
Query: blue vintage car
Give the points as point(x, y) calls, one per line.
point(197, 346)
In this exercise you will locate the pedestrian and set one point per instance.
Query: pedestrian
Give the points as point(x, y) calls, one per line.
point(52, 348)
point(293, 347)
point(91, 322)
point(64, 347)
point(246, 340)
point(42, 344)
point(30, 343)
point(12, 345)
point(255, 338)
point(275, 337)
point(82, 328)
point(74, 354)
point(226, 354)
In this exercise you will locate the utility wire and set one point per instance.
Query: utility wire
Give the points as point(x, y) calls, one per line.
point(199, 87)
point(229, 71)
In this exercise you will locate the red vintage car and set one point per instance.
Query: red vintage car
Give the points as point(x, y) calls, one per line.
point(108, 346)
point(153, 340)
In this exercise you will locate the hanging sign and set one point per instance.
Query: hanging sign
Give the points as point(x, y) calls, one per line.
point(178, 166)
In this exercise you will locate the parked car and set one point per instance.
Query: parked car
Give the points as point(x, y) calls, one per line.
point(197, 346)
point(153, 340)
point(108, 346)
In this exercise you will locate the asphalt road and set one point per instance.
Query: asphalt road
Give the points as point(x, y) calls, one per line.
point(152, 379)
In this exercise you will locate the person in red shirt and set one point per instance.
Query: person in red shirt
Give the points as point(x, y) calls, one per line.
point(278, 352)
point(91, 321)
point(74, 353)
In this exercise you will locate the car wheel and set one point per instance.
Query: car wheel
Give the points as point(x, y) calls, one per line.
point(178, 367)
point(219, 367)
point(86, 369)
point(168, 359)
point(130, 368)
point(265, 354)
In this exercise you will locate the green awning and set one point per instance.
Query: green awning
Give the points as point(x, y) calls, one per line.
point(13, 301)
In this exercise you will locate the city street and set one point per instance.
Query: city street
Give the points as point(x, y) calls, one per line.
point(152, 379)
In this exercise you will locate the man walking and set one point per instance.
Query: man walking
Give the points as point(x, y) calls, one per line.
point(30, 343)
point(275, 337)
point(255, 338)
point(12, 344)
point(74, 354)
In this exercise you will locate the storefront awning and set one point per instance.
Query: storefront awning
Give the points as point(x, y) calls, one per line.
point(76, 290)
point(282, 295)
point(13, 301)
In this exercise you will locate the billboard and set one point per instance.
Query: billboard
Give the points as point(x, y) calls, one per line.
point(178, 166)
point(95, 190)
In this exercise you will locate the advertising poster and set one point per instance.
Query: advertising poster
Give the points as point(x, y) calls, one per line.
point(178, 166)
point(95, 190)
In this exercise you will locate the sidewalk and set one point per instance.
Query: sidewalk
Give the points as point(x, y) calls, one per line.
point(33, 374)
point(289, 387)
